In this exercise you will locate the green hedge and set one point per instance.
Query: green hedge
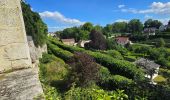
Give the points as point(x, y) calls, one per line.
point(63, 54)
point(115, 66)
point(66, 47)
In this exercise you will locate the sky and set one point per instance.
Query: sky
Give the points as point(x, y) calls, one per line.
point(60, 14)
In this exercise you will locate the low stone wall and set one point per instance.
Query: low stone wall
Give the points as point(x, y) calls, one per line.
point(21, 85)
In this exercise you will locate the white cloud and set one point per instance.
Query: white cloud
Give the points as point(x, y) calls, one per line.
point(121, 6)
point(148, 17)
point(122, 20)
point(60, 18)
point(154, 8)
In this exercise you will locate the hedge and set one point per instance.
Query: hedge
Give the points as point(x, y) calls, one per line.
point(66, 47)
point(63, 54)
point(115, 66)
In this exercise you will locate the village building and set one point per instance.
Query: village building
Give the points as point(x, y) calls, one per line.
point(150, 31)
point(70, 42)
point(123, 40)
point(150, 67)
point(83, 42)
point(52, 34)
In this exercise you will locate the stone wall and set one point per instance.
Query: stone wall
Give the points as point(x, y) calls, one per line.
point(14, 51)
point(20, 80)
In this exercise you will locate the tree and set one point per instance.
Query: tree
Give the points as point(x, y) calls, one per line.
point(97, 40)
point(108, 30)
point(34, 25)
point(152, 23)
point(120, 27)
point(98, 28)
point(87, 26)
point(84, 69)
point(135, 26)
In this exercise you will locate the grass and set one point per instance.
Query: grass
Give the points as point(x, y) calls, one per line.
point(159, 79)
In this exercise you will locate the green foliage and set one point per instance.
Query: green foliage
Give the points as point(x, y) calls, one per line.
point(84, 70)
point(120, 27)
point(94, 94)
point(161, 43)
point(52, 69)
point(34, 25)
point(63, 54)
point(51, 93)
point(87, 27)
point(152, 23)
point(116, 66)
point(97, 41)
point(115, 54)
point(112, 82)
point(66, 47)
point(135, 26)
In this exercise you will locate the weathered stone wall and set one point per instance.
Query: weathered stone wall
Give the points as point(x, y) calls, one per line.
point(14, 51)
point(21, 85)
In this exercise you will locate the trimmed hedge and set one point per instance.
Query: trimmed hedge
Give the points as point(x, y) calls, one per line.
point(66, 47)
point(115, 66)
point(112, 82)
point(63, 54)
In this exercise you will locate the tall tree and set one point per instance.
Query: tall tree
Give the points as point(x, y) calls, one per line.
point(97, 40)
point(120, 27)
point(135, 26)
point(108, 30)
point(152, 23)
point(87, 26)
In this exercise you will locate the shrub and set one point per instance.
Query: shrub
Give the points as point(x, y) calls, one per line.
point(84, 70)
point(53, 69)
point(94, 94)
point(113, 82)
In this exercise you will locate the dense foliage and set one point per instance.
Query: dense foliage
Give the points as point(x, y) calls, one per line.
point(97, 41)
point(84, 70)
point(34, 25)
point(116, 66)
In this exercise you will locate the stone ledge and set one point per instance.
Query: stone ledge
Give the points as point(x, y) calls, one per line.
point(20, 85)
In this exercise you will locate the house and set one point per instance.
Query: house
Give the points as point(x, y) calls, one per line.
point(150, 67)
point(52, 34)
point(150, 31)
point(83, 42)
point(70, 42)
point(123, 40)
point(163, 28)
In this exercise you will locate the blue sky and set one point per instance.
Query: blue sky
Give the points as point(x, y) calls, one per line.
point(60, 14)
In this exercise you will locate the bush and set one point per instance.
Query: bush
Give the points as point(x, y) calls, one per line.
point(94, 94)
point(84, 70)
point(53, 69)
